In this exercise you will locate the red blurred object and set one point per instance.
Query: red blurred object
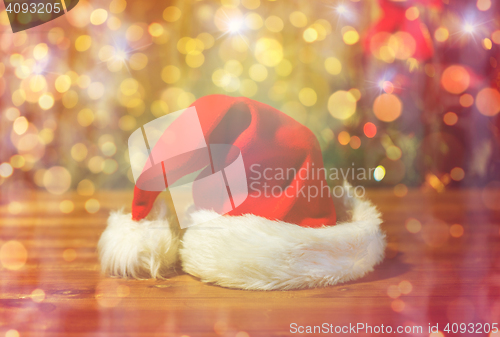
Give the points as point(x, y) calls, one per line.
point(394, 20)
point(267, 137)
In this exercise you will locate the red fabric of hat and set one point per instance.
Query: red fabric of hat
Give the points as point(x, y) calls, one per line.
point(278, 152)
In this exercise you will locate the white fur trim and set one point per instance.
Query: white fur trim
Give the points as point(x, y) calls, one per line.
point(138, 249)
point(251, 252)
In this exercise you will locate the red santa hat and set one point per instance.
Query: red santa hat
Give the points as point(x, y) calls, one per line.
point(278, 231)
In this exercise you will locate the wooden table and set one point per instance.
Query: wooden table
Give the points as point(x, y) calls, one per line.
point(450, 279)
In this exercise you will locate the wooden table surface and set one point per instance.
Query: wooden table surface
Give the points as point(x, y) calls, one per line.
point(449, 278)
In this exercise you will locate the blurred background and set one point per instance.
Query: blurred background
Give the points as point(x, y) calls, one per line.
point(408, 87)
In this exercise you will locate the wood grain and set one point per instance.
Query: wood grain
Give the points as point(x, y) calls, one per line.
point(454, 279)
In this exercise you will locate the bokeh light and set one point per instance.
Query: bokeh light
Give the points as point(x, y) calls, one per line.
point(387, 107)
point(57, 180)
point(379, 173)
point(413, 225)
point(455, 79)
point(488, 101)
point(450, 118)
point(456, 230)
point(37, 295)
point(13, 255)
point(342, 105)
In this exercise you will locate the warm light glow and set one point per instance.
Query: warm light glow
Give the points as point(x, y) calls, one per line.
point(405, 287)
point(413, 225)
point(13, 255)
point(455, 79)
point(450, 118)
point(457, 174)
point(370, 130)
point(468, 28)
point(355, 142)
point(441, 34)
point(379, 173)
point(341, 9)
point(456, 231)
point(387, 107)
point(466, 100)
point(488, 101)
point(342, 105)
point(344, 137)
point(235, 26)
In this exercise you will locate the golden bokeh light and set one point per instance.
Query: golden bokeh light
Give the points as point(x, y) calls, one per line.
point(12, 333)
point(274, 23)
point(333, 65)
point(487, 44)
point(412, 13)
point(308, 96)
point(138, 61)
point(79, 152)
point(83, 43)
point(455, 79)
point(92, 206)
point(310, 35)
point(342, 105)
point(85, 117)
point(66, 206)
point(13, 255)
point(379, 173)
point(62, 83)
point(69, 255)
point(20, 125)
point(387, 107)
point(393, 152)
point(258, 72)
point(40, 51)
point(46, 101)
point(57, 180)
point(298, 19)
point(254, 21)
point(15, 207)
point(170, 74)
point(134, 33)
point(86, 187)
point(268, 51)
point(248, 88)
point(251, 4)
point(171, 14)
point(37, 295)
point(98, 16)
point(344, 138)
point(350, 36)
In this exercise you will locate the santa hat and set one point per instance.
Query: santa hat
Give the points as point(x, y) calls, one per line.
point(278, 231)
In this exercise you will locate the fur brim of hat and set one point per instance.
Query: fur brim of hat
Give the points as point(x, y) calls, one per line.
point(248, 251)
